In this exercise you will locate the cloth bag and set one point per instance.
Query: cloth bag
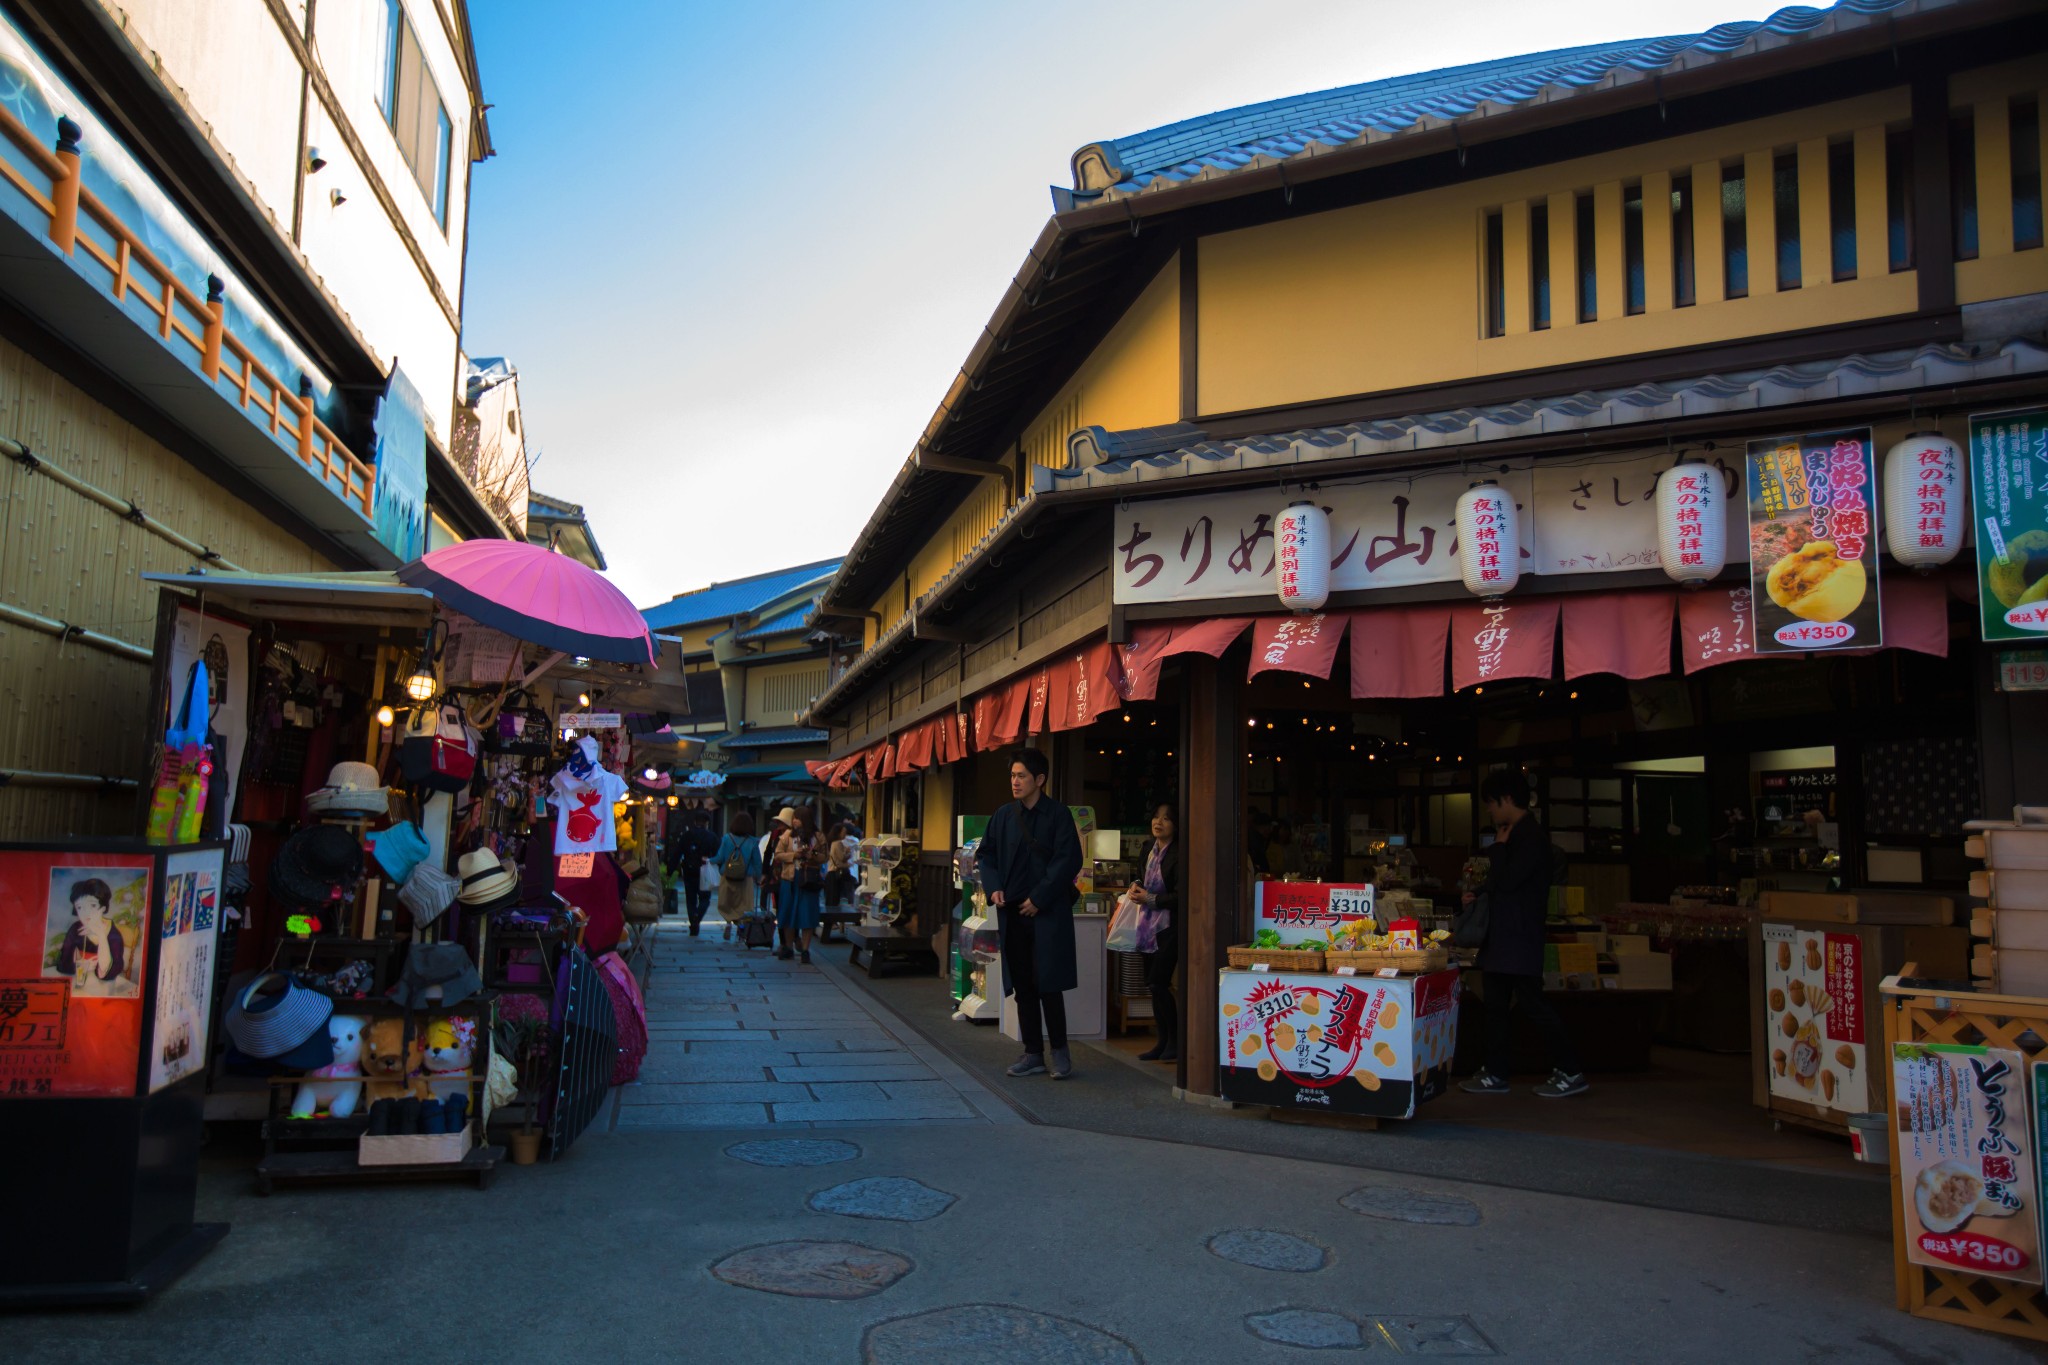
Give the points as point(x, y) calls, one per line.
point(1123, 927)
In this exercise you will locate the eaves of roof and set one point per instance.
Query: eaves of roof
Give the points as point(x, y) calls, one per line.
point(780, 734)
point(736, 597)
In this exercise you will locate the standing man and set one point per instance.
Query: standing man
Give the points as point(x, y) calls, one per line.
point(1029, 859)
point(687, 859)
point(1511, 958)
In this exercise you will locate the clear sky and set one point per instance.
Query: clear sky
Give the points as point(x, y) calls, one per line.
point(738, 250)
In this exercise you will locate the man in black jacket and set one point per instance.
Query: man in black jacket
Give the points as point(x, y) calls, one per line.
point(688, 848)
point(1029, 858)
point(1518, 898)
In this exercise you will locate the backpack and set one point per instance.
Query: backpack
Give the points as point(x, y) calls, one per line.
point(736, 864)
point(437, 752)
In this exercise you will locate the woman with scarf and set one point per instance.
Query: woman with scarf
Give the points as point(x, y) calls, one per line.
point(1158, 890)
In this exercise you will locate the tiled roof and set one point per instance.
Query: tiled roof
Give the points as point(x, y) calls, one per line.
point(721, 601)
point(791, 620)
point(1936, 366)
point(1307, 125)
point(780, 734)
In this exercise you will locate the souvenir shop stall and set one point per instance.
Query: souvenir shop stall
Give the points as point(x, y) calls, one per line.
point(443, 788)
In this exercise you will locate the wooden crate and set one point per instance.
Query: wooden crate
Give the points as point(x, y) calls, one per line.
point(2002, 1021)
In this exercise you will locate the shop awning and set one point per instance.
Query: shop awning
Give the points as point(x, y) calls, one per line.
point(1506, 638)
point(347, 598)
point(1399, 651)
point(1624, 633)
point(1155, 642)
point(1297, 644)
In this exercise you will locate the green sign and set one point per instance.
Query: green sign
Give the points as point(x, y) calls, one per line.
point(2009, 498)
point(2023, 670)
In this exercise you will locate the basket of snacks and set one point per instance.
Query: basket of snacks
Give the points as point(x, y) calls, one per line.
point(1268, 952)
point(1359, 944)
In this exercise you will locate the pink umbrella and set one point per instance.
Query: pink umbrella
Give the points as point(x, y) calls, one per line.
point(533, 593)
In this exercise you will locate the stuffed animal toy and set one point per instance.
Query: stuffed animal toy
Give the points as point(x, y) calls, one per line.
point(322, 1086)
point(386, 1063)
point(451, 1041)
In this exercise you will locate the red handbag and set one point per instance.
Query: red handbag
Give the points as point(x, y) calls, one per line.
point(437, 752)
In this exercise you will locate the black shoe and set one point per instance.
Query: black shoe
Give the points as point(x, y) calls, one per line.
point(1171, 1054)
point(1153, 1053)
point(805, 954)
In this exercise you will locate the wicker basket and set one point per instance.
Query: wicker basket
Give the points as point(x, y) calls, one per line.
point(1279, 959)
point(1416, 960)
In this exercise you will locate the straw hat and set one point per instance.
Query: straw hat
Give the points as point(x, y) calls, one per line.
point(352, 789)
point(486, 882)
point(787, 815)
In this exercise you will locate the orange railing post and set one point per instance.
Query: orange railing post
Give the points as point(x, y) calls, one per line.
point(216, 325)
point(64, 187)
point(304, 405)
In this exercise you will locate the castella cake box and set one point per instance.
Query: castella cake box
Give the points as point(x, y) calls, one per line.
point(1966, 1169)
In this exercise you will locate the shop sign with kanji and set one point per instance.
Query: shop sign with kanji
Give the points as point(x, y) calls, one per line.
point(2009, 487)
point(1813, 522)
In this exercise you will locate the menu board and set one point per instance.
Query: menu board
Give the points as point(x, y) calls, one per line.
point(186, 943)
point(1966, 1178)
point(74, 955)
point(1813, 1002)
point(1300, 911)
point(1347, 1045)
point(2009, 498)
point(1813, 542)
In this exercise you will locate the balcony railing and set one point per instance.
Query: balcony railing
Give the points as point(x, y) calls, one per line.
point(80, 222)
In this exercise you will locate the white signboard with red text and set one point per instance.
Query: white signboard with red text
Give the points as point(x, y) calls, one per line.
point(1814, 1015)
point(1362, 1045)
point(1299, 911)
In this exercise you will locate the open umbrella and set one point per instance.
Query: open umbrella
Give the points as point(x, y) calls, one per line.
point(532, 593)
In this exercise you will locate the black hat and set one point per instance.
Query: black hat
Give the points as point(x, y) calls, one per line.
point(317, 868)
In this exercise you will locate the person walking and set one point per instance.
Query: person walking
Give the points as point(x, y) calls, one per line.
point(839, 855)
point(1511, 957)
point(800, 863)
point(687, 854)
point(771, 884)
point(1158, 890)
point(1029, 858)
point(738, 860)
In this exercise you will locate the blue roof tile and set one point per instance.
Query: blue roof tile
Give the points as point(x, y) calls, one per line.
point(791, 620)
point(721, 601)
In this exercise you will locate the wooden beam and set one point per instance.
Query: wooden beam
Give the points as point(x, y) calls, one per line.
point(1210, 774)
point(1934, 246)
point(975, 469)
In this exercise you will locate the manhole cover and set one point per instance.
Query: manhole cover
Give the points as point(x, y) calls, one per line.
point(1269, 1250)
point(1412, 1206)
point(793, 1151)
point(813, 1270)
point(1309, 1328)
point(994, 1332)
point(885, 1196)
point(1436, 1336)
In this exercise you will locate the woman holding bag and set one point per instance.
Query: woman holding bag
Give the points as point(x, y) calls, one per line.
point(1157, 891)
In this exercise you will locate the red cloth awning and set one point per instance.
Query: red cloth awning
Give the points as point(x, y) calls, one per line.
point(1083, 687)
point(999, 713)
point(1296, 644)
point(1624, 633)
point(1505, 638)
point(914, 748)
point(1154, 642)
point(1399, 651)
point(1714, 626)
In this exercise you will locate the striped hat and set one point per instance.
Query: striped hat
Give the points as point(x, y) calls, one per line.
point(284, 1026)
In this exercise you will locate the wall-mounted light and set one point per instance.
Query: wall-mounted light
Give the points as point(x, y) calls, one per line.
point(421, 686)
point(583, 700)
point(336, 198)
point(649, 774)
point(314, 161)
point(675, 800)
point(385, 716)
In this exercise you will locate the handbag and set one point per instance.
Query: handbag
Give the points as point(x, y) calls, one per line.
point(811, 872)
point(437, 752)
point(522, 729)
point(1123, 927)
point(1469, 925)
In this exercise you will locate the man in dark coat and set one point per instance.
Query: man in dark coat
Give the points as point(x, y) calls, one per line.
point(688, 848)
point(1518, 898)
point(1029, 858)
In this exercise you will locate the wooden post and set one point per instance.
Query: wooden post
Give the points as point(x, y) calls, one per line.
point(304, 406)
point(1210, 777)
point(216, 326)
point(64, 190)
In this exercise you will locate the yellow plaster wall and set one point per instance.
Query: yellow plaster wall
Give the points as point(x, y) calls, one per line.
point(1999, 271)
point(760, 691)
point(937, 830)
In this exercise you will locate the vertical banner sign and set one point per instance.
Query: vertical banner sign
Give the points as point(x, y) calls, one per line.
point(2009, 488)
point(1813, 542)
point(74, 954)
point(1966, 1177)
point(184, 982)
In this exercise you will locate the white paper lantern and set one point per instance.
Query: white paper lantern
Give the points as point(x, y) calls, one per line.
point(1489, 540)
point(1301, 557)
point(1692, 523)
point(1924, 500)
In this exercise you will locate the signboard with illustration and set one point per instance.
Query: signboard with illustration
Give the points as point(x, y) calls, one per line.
point(1813, 1002)
point(74, 958)
point(184, 984)
point(1966, 1178)
point(2009, 499)
point(1813, 542)
point(1345, 1045)
point(1300, 911)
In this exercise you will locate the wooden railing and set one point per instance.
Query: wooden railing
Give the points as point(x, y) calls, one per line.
point(134, 271)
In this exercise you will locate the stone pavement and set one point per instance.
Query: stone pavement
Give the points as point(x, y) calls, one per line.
point(737, 1038)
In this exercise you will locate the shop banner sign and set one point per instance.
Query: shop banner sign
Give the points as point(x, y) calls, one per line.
point(1813, 542)
point(2009, 497)
point(74, 955)
point(184, 983)
point(1813, 999)
point(1299, 911)
point(1342, 1045)
point(1966, 1178)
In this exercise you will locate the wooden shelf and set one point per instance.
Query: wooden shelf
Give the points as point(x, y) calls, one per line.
point(341, 1167)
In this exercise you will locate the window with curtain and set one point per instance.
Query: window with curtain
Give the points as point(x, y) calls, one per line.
point(1589, 279)
point(1842, 209)
point(1734, 233)
point(2026, 174)
point(417, 116)
point(1785, 199)
point(1684, 289)
point(1539, 267)
point(1496, 276)
point(1635, 286)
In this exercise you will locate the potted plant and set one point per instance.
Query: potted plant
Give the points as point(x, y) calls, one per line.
point(531, 1044)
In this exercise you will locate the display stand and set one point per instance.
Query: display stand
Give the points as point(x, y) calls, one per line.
point(101, 1079)
point(1368, 1045)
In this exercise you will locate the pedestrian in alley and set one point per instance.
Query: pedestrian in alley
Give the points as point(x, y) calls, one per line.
point(839, 856)
point(800, 863)
point(771, 884)
point(1511, 957)
point(738, 860)
point(1158, 890)
point(1029, 858)
point(687, 853)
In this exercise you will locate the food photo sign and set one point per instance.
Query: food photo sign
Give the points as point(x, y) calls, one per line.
point(1369, 1046)
point(1813, 983)
point(1301, 911)
point(2009, 497)
point(1966, 1177)
point(1813, 542)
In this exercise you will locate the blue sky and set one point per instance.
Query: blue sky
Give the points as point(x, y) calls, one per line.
point(738, 251)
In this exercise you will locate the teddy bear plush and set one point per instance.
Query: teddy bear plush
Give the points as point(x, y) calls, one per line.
point(450, 1043)
point(386, 1062)
point(323, 1085)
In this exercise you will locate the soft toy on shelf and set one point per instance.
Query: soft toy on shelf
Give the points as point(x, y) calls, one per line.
point(386, 1063)
point(451, 1041)
point(322, 1085)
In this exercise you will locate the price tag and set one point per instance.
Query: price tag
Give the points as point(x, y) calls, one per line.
point(574, 864)
point(1388, 971)
point(1262, 966)
point(1347, 971)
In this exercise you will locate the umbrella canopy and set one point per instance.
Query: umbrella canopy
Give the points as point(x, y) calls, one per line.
point(530, 592)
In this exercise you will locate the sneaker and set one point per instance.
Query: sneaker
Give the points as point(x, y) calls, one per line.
point(1561, 1086)
point(1062, 1064)
point(1485, 1083)
point(805, 956)
point(1030, 1064)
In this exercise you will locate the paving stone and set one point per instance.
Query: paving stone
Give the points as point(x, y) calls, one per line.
point(993, 1331)
point(706, 1035)
point(714, 1092)
point(693, 1115)
point(1437, 1336)
point(895, 1198)
point(1411, 1206)
point(837, 1040)
point(668, 1069)
point(839, 1090)
point(887, 1071)
point(1309, 1328)
point(916, 1090)
point(793, 1151)
point(1269, 1250)
point(863, 1111)
point(758, 1054)
point(814, 1270)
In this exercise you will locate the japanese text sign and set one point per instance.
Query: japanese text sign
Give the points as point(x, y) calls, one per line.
point(1347, 1045)
point(75, 945)
point(1299, 911)
point(1966, 1176)
point(2009, 484)
point(1813, 543)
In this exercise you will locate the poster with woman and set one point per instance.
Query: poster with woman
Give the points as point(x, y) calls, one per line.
point(75, 944)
